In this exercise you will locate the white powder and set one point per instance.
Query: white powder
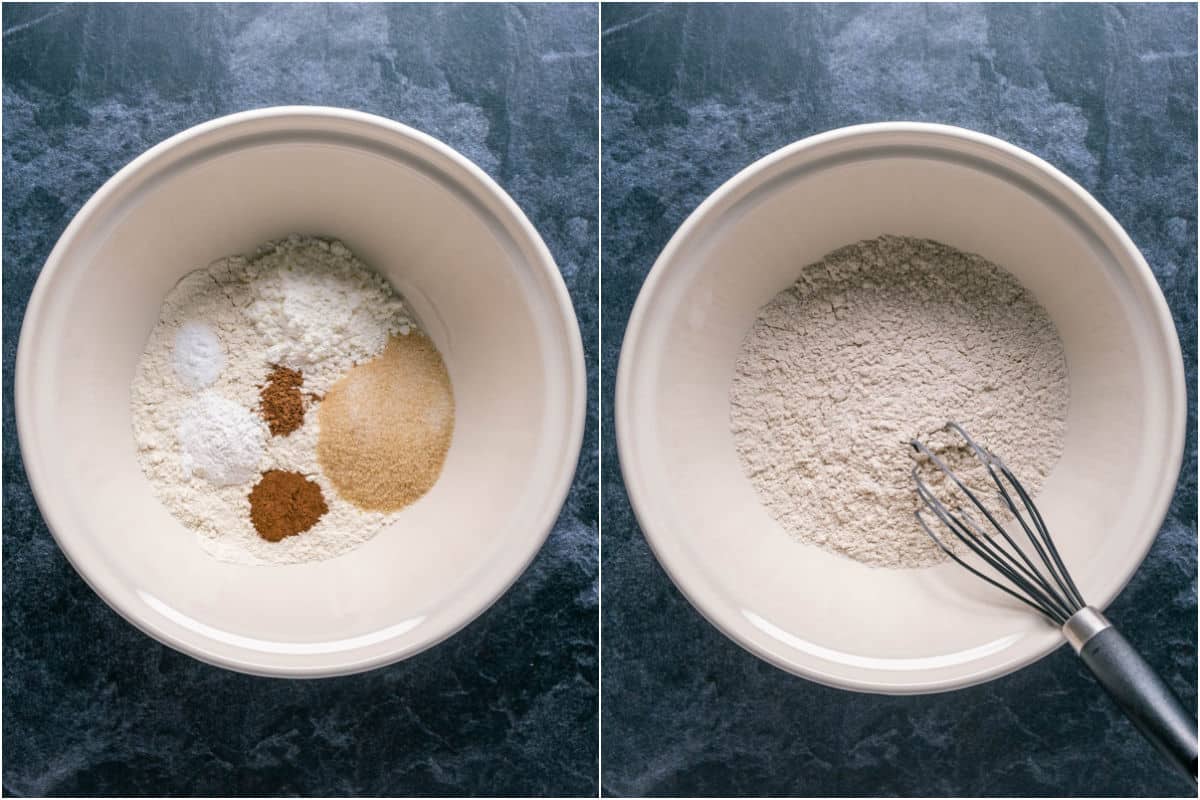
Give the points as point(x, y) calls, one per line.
point(260, 308)
point(876, 344)
point(220, 440)
point(198, 358)
point(322, 311)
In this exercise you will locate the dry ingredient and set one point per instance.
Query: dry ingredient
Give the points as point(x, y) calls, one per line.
point(211, 422)
point(386, 426)
point(322, 311)
point(197, 356)
point(281, 401)
point(285, 504)
point(220, 440)
point(878, 343)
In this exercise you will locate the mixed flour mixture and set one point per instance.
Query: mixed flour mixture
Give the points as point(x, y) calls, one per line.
point(305, 309)
point(879, 343)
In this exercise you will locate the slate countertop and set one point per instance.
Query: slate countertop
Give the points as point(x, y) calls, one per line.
point(693, 94)
point(92, 706)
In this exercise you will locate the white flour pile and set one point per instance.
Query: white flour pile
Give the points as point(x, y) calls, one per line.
point(303, 303)
point(878, 343)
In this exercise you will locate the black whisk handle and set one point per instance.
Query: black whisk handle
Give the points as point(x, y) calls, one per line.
point(1138, 690)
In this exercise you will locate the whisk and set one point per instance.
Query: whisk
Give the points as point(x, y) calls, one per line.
point(1036, 576)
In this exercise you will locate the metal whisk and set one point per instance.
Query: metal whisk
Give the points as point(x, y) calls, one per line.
point(1036, 576)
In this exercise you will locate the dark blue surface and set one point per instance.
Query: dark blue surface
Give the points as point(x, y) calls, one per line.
point(91, 706)
point(691, 94)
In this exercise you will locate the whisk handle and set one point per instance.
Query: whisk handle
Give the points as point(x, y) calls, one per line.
point(1140, 692)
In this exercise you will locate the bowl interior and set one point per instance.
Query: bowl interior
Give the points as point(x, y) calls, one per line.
point(475, 277)
point(823, 615)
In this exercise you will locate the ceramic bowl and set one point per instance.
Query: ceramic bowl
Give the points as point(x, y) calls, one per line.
point(472, 268)
point(821, 615)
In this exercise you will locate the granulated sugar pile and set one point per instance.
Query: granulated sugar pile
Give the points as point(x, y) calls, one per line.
point(227, 395)
point(879, 343)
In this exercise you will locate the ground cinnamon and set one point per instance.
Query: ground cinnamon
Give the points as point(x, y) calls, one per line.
point(281, 402)
point(284, 503)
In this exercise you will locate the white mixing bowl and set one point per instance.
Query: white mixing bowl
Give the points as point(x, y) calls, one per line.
point(821, 615)
point(478, 277)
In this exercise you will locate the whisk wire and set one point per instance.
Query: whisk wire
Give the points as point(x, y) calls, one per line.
point(1044, 532)
point(1048, 554)
point(1057, 569)
point(1042, 597)
point(1052, 584)
point(1048, 588)
point(990, 462)
point(1014, 565)
point(1027, 601)
point(1045, 589)
point(968, 531)
point(1029, 570)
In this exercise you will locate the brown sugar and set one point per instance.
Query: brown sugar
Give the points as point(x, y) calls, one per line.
point(283, 504)
point(386, 425)
point(280, 400)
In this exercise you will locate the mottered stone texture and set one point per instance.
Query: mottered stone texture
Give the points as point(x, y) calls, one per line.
point(92, 706)
point(691, 95)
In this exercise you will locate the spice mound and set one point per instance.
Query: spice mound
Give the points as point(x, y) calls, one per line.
point(281, 401)
point(285, 504)
point(386, 426)
point(879, 343)
point(228, 404)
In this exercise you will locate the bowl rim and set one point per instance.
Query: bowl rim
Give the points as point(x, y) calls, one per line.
point(471, 180)
point(759, 172)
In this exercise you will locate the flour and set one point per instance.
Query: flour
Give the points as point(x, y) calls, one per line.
point(322, 311)
point(878, 343)
point(305, 301)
